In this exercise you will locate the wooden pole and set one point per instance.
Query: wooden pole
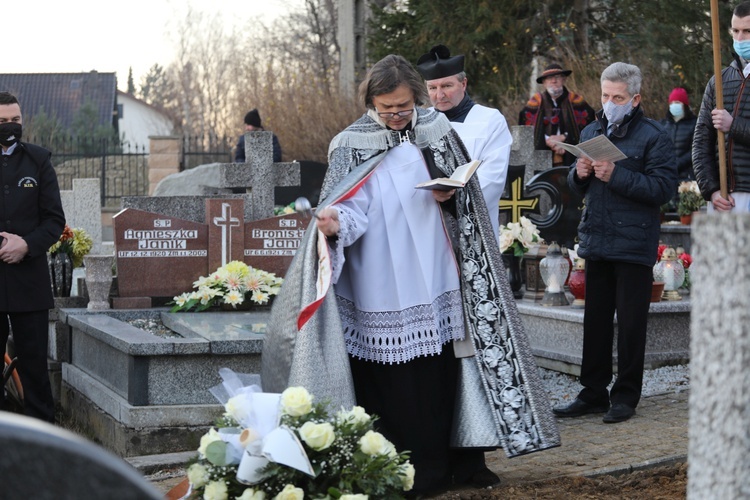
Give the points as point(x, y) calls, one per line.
point(715, 31)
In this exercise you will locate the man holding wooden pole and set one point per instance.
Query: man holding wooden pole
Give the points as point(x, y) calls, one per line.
point(722, 132)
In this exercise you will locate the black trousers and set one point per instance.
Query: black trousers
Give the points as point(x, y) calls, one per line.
point(610, 287)
point(414, 402)
point(30, 337)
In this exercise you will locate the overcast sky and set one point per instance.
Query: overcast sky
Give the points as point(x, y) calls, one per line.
point(70, 36)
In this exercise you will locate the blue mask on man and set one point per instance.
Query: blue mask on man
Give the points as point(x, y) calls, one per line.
point(742, 48)
point(616, 113)
point(676, 109)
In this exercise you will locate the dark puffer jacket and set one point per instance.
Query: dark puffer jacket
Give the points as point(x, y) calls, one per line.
point(620, 220)
point(681, 133)
point(705, 149)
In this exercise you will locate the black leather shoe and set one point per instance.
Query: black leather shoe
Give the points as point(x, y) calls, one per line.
point(619, 412)
point(484, 478)
point(579, 408)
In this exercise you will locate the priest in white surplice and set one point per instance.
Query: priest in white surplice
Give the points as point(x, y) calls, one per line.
point(483, 130)
point(397, 298)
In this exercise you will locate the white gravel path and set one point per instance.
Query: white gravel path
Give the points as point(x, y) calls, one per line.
point(564, 388)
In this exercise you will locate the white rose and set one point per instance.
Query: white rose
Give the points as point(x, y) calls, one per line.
point(251, 494)
point(374, 443)
point(238, 408)
point(197, 475)
point(357, 415)
point(506, 240)
point(358, 496)
point(407, 477)
point(296, 401)
point(317, 436)
point(216, 490)
point(290, 493)
point(207, 439)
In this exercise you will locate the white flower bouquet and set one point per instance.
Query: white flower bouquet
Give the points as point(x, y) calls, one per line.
point(231, 284)
point(285, 446)
point(518, 237)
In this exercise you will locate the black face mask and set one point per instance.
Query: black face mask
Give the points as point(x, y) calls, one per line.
point(10, 133)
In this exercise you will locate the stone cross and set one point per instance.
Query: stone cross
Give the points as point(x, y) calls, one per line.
point(259, 175)
point(522, 152)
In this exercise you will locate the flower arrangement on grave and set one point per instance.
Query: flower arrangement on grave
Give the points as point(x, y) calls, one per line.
point(75, 242)
point(690, 196)
point(232, 284)
point(284, 209)
point(518, 237)
point(686, 260)
point(286, 446)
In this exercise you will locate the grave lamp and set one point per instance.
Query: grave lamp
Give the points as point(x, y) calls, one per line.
point(671, 271)
point(554, 269)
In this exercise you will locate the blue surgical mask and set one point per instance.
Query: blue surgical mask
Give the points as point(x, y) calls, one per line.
point(742, 48)
point(616, 113)
point(676, 109)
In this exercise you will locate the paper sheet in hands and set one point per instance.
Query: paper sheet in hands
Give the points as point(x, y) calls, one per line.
point(458, 178)
point(597, 149)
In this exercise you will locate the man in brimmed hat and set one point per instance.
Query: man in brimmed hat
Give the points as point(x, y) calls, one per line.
point(556, 114)
point(483, 130)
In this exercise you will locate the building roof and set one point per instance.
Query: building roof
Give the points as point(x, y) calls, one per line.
point(62, 94)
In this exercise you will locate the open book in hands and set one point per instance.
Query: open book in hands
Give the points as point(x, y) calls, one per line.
point(597, 149)
point(458, 178)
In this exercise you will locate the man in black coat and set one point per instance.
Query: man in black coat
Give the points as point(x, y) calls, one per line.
point(619, 237)
point(31, 220)
point(734, 120)
point(252, 124)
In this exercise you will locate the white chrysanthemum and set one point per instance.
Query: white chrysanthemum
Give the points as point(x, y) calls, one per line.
point(216, 490)
point(197, 475)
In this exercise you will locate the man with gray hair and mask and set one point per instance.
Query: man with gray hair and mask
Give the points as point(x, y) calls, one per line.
point(618, 237)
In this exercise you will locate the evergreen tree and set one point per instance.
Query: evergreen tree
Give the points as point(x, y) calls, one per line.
point(131, 84)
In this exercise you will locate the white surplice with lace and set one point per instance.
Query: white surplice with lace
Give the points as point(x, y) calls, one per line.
point(396, 281)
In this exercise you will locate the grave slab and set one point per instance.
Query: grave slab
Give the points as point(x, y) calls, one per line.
point(556, 335)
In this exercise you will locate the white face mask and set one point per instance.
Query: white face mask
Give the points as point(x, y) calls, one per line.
point(616, 113)
point(676, 109)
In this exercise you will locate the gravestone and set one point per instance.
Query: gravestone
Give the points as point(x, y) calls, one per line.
point(161, 256)
point(45, 462)
point(559, 221)
point(157, 254)
point(83, 209)
point(270, 244)
point(257, 179)
point(719, 429)
point(312, 174)
point(522, 152)
point(524, 163)
point(537, 190)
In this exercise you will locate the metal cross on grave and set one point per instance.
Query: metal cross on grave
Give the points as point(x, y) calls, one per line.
point(226, 231)
point(516, 205)
point(259, 175)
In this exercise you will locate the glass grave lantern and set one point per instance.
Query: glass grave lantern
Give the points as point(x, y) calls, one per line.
point(554, 270)
point(670, 270)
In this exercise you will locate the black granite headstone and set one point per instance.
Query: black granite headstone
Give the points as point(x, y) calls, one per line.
point(45, 462)
point(560, 221)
